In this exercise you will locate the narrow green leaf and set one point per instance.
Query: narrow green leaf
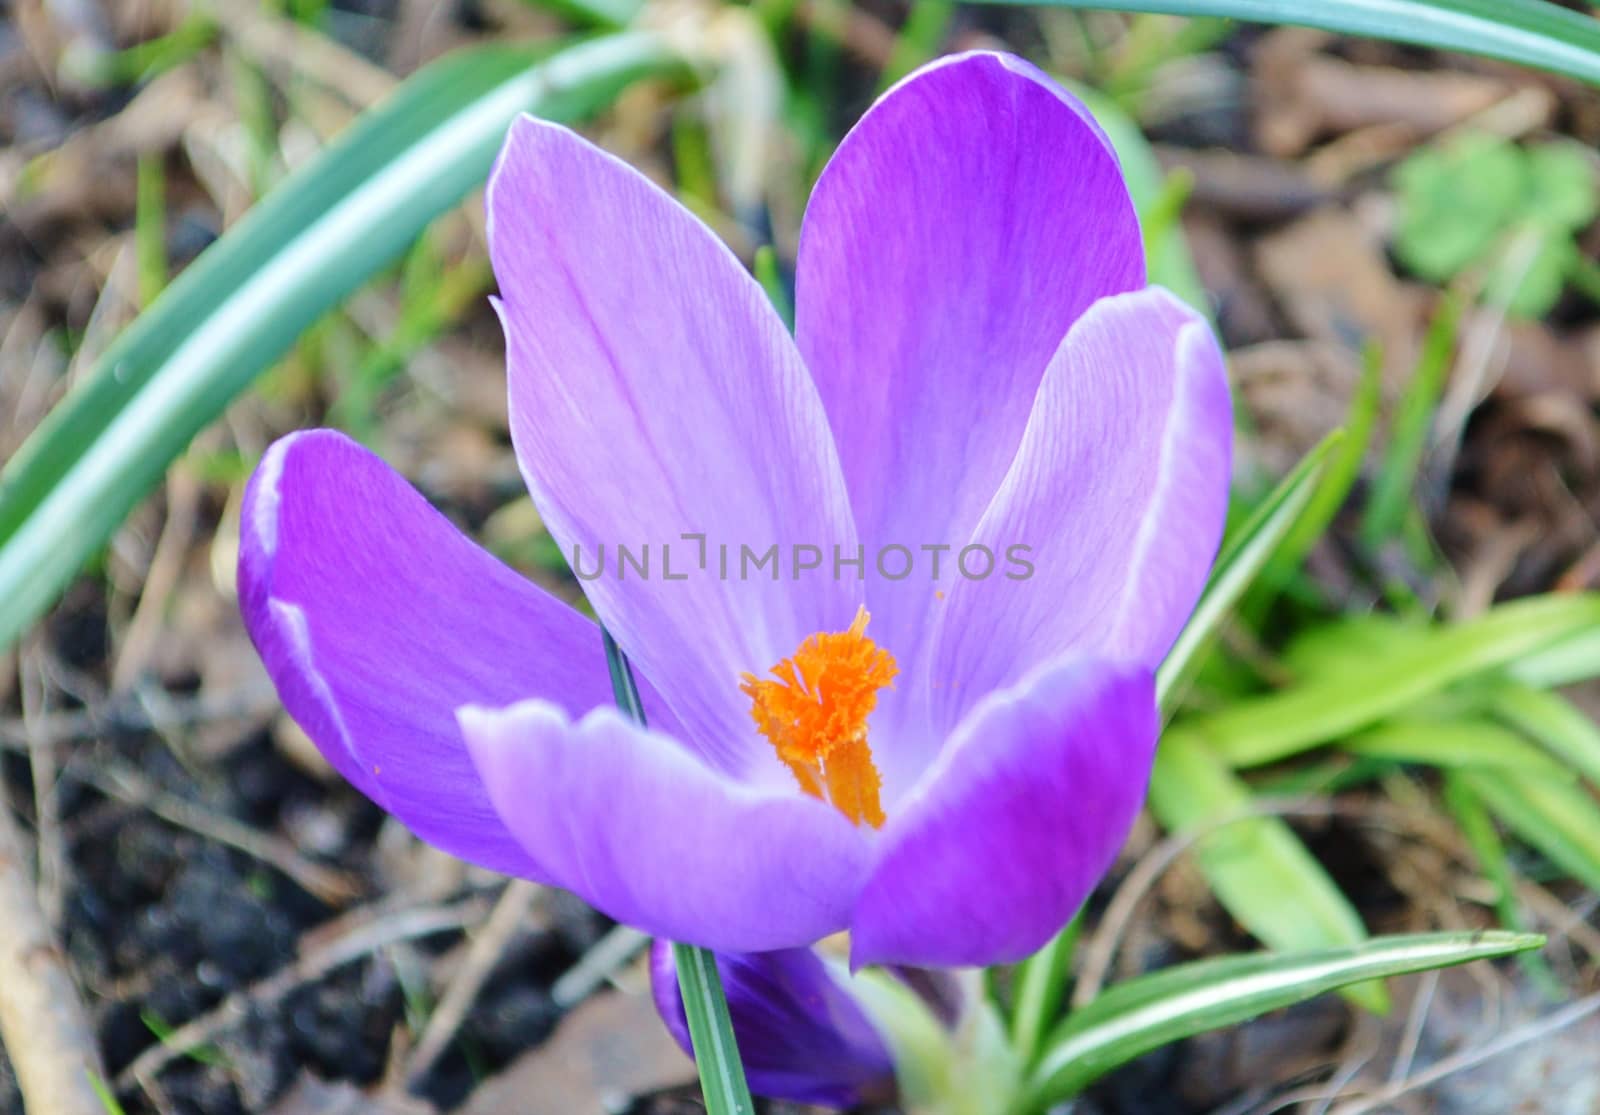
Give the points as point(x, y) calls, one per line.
point(603, 14)
point(1408, 439)
point(150, 227)
point(1041, 981)
point(1486, 846)
point(1452, 744)
point(142, 61)
point(1257, 867)
point(1146, 1013)
point(1552, 720)
point(1533, 33)
point(1490, 853)
point(1344, 466)
point(250, 295)
point(716, 1051)
point(771, 280)
point(1558, 818)
point(1344, 642)
point(1565, 662)
point(1243, 556)
point(1150, 43)
point(1379, 684)
point(104, 1093)
point(918, 41)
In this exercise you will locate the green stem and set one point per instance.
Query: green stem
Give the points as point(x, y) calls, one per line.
point(716, 1052)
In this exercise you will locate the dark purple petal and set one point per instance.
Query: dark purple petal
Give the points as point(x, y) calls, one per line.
point(650, 835)
point(1119, 490)
point(802, 1035)
point(1020, 816)
point(654, 393)
point(962, 226)
point(376, 619)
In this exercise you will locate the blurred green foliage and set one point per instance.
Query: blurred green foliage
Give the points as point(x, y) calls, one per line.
point(1479, 206)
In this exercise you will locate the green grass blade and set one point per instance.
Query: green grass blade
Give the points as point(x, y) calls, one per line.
point(1395, 486)
point(926, 25)
point(1343, 698)
point(1558, 818)
point(1490, 852)
point(1566, 662)
point(150, 227)
point(1243, 556)
point(1041, 981)
point(1486, 847)
point(1453, 744)
point(1533, 33)
point(603, 14)
point(1343, 468)
point(1146, 1013)
point(1554, 722)
point(716, 1051)
point(250, 295)
point(1257, 867)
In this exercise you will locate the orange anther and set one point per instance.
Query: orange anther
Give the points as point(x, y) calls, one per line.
point(814, 709)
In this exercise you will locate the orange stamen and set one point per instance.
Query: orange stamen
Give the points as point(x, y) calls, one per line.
point(815, 715)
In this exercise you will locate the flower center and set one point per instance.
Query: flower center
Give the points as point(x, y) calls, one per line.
point(815, 715)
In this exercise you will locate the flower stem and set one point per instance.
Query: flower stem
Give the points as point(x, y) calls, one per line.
point(716, 1052)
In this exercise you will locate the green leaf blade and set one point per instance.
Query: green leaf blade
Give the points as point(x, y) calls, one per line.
point(1243, 556)
point(1345, 696)
point(1560, 819)
point(1142, 1014)
point(705, 1005)
point(1455, 744)
point(1259, 870)
point(243, 303)
point(1554, 722)
point(1529, 32)
point(1041, 982)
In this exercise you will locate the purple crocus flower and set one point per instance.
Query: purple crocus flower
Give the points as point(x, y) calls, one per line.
point(802, 1033)
point(977, 366)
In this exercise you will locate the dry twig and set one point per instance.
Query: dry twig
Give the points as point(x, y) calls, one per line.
point(331, 885)
point(1539, 1028)
point(596, 966)
point(42, 1022)
point(488, 945)
point(129, 714)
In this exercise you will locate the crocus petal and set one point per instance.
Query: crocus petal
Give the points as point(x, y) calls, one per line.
point(655, 394)
point(1119, 492)
point(376, 619)
point(961, 227)
point(650, 835)
point(1014, 824)
point(802, 1035)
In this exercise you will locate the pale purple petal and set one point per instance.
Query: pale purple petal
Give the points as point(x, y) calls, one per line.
point(376, 619)
point(802, 1034)
point(1119, 491)
point(648, 834)
point(961, 227)
point(1021, 815)
point(655, 393)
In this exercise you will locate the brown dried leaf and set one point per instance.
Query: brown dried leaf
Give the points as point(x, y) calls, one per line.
point(1332, 279)
point(608, 1050)
point(1305, 95)
point(311, 1096)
